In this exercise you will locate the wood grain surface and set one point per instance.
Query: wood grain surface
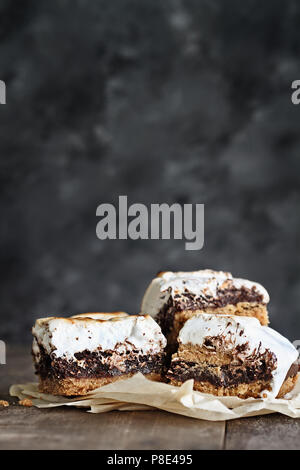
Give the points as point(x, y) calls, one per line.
point(68, 428)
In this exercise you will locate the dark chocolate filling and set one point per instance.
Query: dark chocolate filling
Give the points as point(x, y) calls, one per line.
point(50, 366)
point(227, 375)
point(189, 301)
point(165, 317)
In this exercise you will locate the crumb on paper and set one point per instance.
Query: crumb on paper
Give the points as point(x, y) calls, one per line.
point(4, 403)
point(25, 402)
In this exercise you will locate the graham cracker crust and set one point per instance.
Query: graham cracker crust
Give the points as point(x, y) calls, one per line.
point(198, 354)
point(252, 390)
point(72, 386)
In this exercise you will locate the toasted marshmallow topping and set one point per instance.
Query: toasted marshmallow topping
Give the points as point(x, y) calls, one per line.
point(205, 283)
point(101, 315)
point(242, 331)
point(64, 337)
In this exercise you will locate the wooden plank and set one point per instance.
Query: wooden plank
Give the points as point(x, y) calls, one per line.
point(67, 428)
point(272, 431)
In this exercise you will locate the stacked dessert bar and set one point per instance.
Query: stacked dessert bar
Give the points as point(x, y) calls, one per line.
point(173, 298)
point(216, 329)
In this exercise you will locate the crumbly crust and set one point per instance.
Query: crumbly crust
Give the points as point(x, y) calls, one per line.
point(198, 354)
point(4, 403)
point(194, 353)
point(242, 309)
point(242, 390)
point(26, 402)
point(72, 386)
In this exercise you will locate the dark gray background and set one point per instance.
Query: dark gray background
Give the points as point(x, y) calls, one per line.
point(164, 101)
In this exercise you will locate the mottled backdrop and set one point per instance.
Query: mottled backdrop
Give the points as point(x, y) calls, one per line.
point(164, 101)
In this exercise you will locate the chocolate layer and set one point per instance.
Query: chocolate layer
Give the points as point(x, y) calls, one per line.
point(190, 301)
point(97, 364)
point(165, 317)
point(226, 375)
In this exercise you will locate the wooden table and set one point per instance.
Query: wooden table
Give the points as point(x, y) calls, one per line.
point(67, 428)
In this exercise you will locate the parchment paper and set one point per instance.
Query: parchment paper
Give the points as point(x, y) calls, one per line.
point(139, 393)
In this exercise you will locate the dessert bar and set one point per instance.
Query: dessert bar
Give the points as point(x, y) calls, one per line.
point(232, 355)
point(75, 355)
point(174, 297)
